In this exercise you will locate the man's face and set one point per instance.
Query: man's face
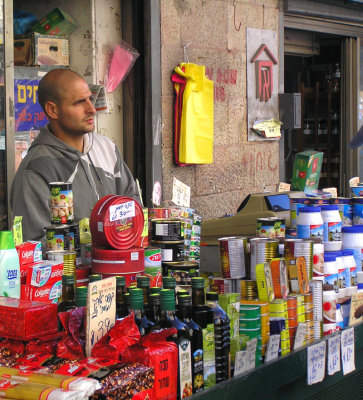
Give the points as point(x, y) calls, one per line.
point(75, 109)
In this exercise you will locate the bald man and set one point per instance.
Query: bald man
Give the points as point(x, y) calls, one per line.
point(67, 150)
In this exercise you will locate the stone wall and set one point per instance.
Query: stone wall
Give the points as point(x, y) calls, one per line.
point(209, 29)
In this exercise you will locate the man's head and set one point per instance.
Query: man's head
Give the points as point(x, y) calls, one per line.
point(66, 99)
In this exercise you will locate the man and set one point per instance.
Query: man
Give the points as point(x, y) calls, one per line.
point(67, 150)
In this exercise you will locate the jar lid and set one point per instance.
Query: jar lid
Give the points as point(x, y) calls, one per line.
point(329, 257)
point(353, 229)
point(337, 253)
point(347, 252)
point(120, 281)
point(198, 282)
point(169, 282)
point(309, 209)
point(332, 207)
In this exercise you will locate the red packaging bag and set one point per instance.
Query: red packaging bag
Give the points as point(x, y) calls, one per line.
point(124, 334)
point(47, 344)
point(73, 344)
point(155, 351)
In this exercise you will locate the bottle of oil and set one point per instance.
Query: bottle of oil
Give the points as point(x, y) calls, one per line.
point(168, 319)
point(136, 303)
point(67, 301)
point(121, 309)
point(153, 312)
point(185, 315)
point(143, 282)
point(222, 337)
point(203, 316)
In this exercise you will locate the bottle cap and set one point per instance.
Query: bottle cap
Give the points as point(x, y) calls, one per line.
point(120, 281)
point(198, 282)
point(155, 289)
point(81, 296)
point(185, 300)
point(154, 299)
point(169, 282)
point(167, 299)
point(68, 279)
point(309, 209)
point(213, 296)
point(143, 281)
point(6, 240)
point(329, 257)
point(95, 277)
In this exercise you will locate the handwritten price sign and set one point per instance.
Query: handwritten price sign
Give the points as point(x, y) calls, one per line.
point(122, 211)
point(347, 348)
point(334, 355)
point(273, 348)
point(101, 310)
point(316, 363)
point(181, 193)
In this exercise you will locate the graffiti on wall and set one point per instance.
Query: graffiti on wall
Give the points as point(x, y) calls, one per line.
point(221, 77)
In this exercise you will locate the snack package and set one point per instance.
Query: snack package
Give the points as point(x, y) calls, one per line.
point(47, 344)
point(72, 345)
point(124, 334)
point(155, 351)
point(7, 357)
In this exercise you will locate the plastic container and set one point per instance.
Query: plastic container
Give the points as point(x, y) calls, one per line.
point(318, 261)
point(341, 271)
point(9, 266)
point(296, 204)
point(350, 272)
point(345, 210)
point(332, 227)
point(329, 306)
point(309, 223)
point(331, 275)
point(353, 239)
point(357, 208)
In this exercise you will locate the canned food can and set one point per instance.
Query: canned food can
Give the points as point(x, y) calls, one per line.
point(262, 250)
point(266, 228)
point(170, 250)
point(249, 290)
point(61, 202)
point(153, 257)
point(75, 242)
point(57, 237)
point(220, 285)
point(232, 252)
point(182, 271)
point(167, 230)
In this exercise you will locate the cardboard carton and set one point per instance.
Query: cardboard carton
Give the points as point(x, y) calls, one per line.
point(306, 172)
point(57, 22)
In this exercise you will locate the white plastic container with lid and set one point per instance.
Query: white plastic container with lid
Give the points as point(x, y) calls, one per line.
point(329, 306)
point(353, 239)
point(350, 271)
point(309, 223)
point(318, 261)
point(331, 275)
point(341, 270)
point(332, 227)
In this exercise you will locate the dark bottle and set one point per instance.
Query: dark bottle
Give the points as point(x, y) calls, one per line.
point(153, 312)
point(222, 338)
point(203, 316)
point(95, 277)
point(136, 303)
point(185, 315)
point(67, 301)
point(155, 289)
point(81, 296)
point(143, 282)
point(168, 319)
point(121, 308)
point(169, 282)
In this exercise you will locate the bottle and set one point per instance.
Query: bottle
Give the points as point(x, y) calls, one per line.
point(168, 319)
point(153, 312)
point(203, 316)
point(143, 282)
point(185, 315)
point(136, 301)
point(155, 289)
point(121, 310)
point(309, 223)
point(95, 277)
point(68, 298)
point(9, 266)
point(169, 282)
point(222, 337)
point(81, 296)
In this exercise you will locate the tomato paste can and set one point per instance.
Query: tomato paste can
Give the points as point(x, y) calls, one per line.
point(57, 237)
point(61, 202)
point(153, 261)
point(75, 242)
point(167, 230)
point(170, 250)
point(265, 228)
point(232, 252)
point(116, 222)
point(182, 271)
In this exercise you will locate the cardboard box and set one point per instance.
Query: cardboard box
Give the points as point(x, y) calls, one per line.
point(45, 273)
point(45, 294)
point(306, 172)
point(29, 252)
point(40, 50)
point(57, 22)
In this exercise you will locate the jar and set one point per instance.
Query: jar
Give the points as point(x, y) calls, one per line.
point(350, 268)
point(295, 204)
point(341, 270)
point(318, 261)
point(345, 210)
point(331, 275)
point(357, 207)
point(353, 239)
point(332, 227)
point(329, 307)
point(309, 223)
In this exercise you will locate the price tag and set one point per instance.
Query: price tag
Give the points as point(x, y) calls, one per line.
point(316, 363)
point(272, 348)
point(101, 311)
point(334, 354)
point(240, 362)
point(283, 187)
point(300, 336)
point(122, 211)
point(347, 349)
point(251, 354)
point(181, 193)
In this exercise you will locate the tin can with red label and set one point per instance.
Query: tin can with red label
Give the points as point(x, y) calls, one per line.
point(232, 251)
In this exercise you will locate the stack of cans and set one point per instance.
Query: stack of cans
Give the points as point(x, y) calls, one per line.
point(278, 327)
point(317, 293)
point(261, 251)
point(278, 309)
point(249, 290)
point(301, 248)
point(309, 317)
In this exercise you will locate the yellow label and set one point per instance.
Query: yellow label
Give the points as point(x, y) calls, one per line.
point(302, 275)
point(264, 282)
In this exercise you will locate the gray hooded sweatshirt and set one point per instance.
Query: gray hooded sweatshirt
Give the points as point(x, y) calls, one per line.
point(95, 173)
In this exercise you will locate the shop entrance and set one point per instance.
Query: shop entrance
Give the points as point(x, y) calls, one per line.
point(313, 68)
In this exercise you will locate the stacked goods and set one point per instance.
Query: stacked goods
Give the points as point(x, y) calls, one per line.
point(309, 317)
point(29, 253)
point(168, 235)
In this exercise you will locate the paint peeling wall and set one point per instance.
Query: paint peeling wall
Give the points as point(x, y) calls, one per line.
point(215, 34)
point(99, 28)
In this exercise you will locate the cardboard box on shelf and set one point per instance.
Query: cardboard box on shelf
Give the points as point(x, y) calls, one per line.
point(40, 50)
point(306, 172)
point(57, 22)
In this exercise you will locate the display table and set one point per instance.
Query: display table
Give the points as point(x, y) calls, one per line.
point(285, 378)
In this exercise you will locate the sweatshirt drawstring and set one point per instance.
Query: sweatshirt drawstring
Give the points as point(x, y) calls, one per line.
point(90, 159)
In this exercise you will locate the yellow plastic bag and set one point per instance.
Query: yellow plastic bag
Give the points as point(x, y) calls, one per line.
point(196, 126)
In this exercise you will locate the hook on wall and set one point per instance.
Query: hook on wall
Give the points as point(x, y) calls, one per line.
point(234, 17)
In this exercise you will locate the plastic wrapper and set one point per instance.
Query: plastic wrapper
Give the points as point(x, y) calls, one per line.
point(35, 391)
point(25, 319)
point(72, 345)
point(155, 351)
point(125, 333)
point(47, 344)
point(7, 357)
point(124, 381)
point(23, 21)
point(14, 347)
point(85, 385)
point(122, 60)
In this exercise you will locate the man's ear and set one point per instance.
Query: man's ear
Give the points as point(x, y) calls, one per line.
point(51, 109)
